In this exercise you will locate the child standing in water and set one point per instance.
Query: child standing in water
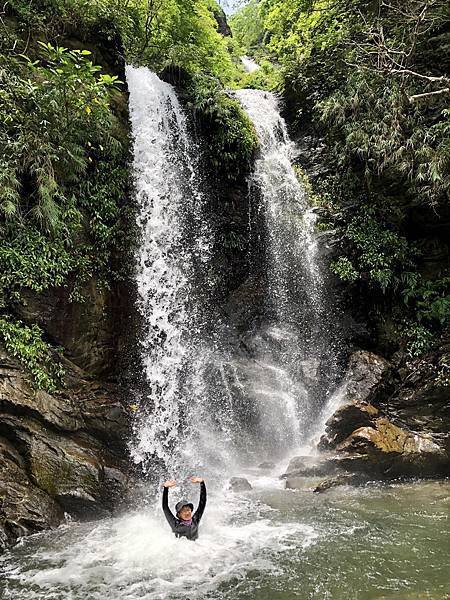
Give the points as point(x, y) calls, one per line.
point(184, 524)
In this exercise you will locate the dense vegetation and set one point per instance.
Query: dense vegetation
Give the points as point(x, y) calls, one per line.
point(371, 78)
point(64, 141)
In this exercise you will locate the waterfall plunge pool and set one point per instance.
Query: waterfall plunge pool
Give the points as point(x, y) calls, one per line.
point(268, 544)
point(376, 542)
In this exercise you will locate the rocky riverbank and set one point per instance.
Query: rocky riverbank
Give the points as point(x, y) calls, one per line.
point(61, 453)
point(393, 422)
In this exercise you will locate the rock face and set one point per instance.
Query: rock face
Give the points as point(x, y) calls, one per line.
point(344, 421)
point(266, 465)
point(404, 431)
point(390, 451)
point(61, 452)
point(89, 331)
point(309, 466)
point(364, 373)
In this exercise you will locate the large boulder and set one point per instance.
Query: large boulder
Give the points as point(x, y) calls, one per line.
point(401, 427)
point(339, 480)
point(418, 394)
point(240, 484)
point(24, 508)
point(364, 373)
point(309, 466)
point(387, 450)
point(344, 421)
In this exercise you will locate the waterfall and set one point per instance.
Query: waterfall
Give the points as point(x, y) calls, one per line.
point(174, 241)
point(299, 305)
point(205, 402)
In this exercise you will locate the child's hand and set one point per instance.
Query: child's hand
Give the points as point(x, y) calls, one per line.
point(196, 480)
point(170, 483)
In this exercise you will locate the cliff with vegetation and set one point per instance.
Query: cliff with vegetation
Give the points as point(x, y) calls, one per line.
point(366, 90)
point(365, 87)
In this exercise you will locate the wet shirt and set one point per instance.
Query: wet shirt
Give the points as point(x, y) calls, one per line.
point(182, 528)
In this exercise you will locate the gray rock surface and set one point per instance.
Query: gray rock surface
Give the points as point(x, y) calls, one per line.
point(404, 431)
point(344, 421)
point(309, 466)
point(61, 452)
point(240, 484)
point(266, 465)
point(364, 373)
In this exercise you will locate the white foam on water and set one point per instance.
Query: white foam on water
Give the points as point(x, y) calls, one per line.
point(137, 557)
point(249, 64)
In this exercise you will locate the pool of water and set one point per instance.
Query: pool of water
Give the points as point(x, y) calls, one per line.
point(383, 542)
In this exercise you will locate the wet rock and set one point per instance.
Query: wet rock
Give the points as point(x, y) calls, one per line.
point(24, 508)
point(295, 483)
point(240, 484)
point(365, 371)
point(402, 429)
point(342, 479)
point(266, 465)
point(88, 331)
point(58, 452)
point(344, 421)
point(391, 451)
point(417, 395)
point(18, 396)
point(246, 303)
point(69, 468)
point(309, 466)
point(221, 20)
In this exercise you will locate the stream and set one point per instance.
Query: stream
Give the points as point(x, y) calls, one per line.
point(268, 544)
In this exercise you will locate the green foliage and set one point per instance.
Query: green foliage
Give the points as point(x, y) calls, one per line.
point(230, 134)
point(443, 377)
point(267, 77)
point(106, 20)
point(30, 260)
point(419, 339)
point(343, 268)
point(376, 126)
point(63, 179)
point(183, 33)
point(431, 298)
point(371, 80)
point(233, 240)
point(248, 28)
point(381, 253)
point(55, 110)
point(26, 344)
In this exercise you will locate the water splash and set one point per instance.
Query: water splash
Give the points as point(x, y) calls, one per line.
point(298, 305)
point(174, 240)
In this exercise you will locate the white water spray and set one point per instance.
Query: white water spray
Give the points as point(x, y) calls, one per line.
point(174, 238)
point(296, 296)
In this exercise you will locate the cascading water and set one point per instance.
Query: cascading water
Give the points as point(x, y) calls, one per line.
point(300, 329)
point(174, 241)
point(204, 403)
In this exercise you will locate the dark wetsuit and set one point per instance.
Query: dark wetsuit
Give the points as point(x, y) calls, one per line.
point(179, 528)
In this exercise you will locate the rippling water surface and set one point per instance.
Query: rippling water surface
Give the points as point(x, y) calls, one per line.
point(269, 544)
